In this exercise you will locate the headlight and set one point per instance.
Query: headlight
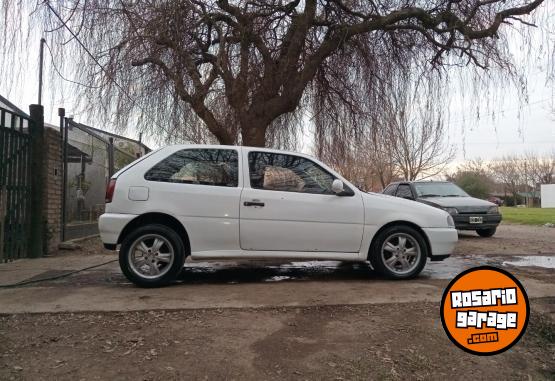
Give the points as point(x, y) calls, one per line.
point(451, 211)
point(493, 210)
point(450, 221)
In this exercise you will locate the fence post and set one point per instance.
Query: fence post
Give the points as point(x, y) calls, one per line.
point(110, 157)
point(37, 230)
point(62, 114)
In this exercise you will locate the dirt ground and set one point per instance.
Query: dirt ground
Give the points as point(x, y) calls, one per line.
point(377, 340)
point(389, 342)
point(509, 239)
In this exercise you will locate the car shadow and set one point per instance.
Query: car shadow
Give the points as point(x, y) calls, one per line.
point(260, 273)
point(469, 235)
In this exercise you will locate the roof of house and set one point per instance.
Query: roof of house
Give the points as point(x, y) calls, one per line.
point(534, 194)
point(116, 136)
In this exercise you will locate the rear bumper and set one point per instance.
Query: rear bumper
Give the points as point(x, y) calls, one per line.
point(442, 241)
point(462, 221)
point(110, 226)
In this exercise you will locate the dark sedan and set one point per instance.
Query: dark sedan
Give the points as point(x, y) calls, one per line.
point(469, 213)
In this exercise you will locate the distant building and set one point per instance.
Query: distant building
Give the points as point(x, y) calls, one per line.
point(547, 195)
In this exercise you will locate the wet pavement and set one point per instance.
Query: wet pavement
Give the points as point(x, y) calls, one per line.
point(236, 272)
point(255, 284)
point(527, 252)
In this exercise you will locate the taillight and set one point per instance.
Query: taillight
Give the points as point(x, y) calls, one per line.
point(110, 190)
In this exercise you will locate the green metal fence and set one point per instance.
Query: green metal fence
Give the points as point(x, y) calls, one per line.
point(15, 185)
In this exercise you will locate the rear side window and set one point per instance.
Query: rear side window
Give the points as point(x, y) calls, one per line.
point(216, 167)
point(404, 191)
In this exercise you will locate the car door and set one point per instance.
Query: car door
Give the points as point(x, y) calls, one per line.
point(287, 205)
point(404, 191)
point(390, 189)
point(201, 187)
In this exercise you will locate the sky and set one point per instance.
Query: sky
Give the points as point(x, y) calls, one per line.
point(516, 127)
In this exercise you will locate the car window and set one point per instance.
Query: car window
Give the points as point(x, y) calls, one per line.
point(404, 191)
point(436, 189)
point(216, 167)
point(288, 173)
point(390, 189)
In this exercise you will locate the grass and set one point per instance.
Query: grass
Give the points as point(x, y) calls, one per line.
point(528, 216)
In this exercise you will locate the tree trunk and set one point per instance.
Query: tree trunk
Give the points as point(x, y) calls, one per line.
point(253, 132)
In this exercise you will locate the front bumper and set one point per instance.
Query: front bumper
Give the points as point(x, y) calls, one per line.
point(489, 221)
point(442, 242)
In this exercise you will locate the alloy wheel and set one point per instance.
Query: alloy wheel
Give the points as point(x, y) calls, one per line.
point(401, 253)
point(151, 256)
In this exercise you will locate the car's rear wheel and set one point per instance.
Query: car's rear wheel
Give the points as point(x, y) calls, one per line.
point(486, 232)
point(399, 252)
point(152, 255)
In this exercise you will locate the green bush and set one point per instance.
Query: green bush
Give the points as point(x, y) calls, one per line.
point(475, 184)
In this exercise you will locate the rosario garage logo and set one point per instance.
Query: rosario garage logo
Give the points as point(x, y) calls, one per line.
point(485, 310)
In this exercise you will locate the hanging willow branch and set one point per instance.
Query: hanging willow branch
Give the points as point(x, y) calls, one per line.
point(251, 71)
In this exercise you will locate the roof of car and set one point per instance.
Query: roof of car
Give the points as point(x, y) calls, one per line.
point(430, 181)
point(418, 182)
point(262, 149)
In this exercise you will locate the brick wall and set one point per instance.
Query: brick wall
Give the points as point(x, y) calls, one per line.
point(52, 194)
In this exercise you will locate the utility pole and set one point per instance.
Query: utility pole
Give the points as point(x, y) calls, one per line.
point(37, 229)
point(41, 64)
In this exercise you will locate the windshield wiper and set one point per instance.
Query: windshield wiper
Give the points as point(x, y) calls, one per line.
point(452, 195)
point(430, 195)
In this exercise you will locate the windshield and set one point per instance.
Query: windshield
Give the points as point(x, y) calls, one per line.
point(432, 189)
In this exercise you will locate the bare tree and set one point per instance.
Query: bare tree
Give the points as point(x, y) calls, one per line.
point(245, 71)
point(367, 162)
point(539, 169)
point(379, 155)
point(474, 177)
point(417, 134)
point(476, 165)
point(406, 139)
point(507, 171)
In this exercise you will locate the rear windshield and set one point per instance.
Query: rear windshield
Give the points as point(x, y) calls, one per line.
point(438, 190)
point(115, 175)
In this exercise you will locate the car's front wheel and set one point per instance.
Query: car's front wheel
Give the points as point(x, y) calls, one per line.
point(152, 255)
point(486, 232)
point(399, 252)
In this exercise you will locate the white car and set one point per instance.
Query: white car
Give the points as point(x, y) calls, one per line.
point(226, 202)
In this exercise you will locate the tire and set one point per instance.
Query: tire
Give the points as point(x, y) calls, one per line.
point(152, 256)
point(486, 232)
point(384, 260)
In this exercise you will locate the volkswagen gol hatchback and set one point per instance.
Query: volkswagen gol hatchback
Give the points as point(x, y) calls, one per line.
point(224, 202)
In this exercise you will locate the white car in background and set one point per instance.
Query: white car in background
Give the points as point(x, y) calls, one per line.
point(225, 202)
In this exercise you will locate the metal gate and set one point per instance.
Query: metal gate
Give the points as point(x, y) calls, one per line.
point(90, 159)
point(15, 185)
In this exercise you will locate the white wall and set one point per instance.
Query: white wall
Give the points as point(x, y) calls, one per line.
point(548, 195)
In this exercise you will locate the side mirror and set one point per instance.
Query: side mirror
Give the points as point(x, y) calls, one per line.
point(337, 186)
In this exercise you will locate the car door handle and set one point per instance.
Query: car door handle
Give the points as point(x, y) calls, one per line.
point(253, 203)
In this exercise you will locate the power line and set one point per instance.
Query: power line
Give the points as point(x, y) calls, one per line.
point(47, 2)
point(60, 74)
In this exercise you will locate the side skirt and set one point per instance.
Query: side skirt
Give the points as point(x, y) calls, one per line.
point(248, 254)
